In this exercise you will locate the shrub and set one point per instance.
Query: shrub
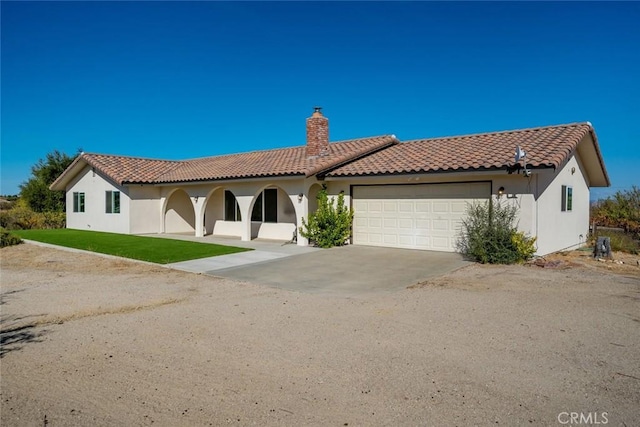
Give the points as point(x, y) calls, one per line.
point(8, 239)
point(329, 226)
point(489, 235)
point(5, 204)
point(21, 217)
point(524, 245)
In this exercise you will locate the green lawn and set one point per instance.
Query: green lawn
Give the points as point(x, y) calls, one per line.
point(152, 249)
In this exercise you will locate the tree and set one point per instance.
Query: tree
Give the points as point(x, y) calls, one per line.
point(620, 210)
point(35, 192)
point(329, 226)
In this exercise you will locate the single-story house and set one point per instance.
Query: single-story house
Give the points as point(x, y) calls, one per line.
point(405, 194)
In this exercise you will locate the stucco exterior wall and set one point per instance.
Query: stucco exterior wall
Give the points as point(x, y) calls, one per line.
point(95, 218)
point(559, 230)
point(179, 215)
point(214, 211)
point(144, 208)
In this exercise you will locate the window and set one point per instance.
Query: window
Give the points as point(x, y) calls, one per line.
point(78, 202)
point(265, 208)
point(567, 198)
point(231, 207)
point(112, 202)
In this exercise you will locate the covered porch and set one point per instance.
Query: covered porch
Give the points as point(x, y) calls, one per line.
point(265, 211)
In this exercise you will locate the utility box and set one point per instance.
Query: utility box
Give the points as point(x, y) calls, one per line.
point(603, 248)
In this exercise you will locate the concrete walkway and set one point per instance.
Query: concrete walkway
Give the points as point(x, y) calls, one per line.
point(263, 251)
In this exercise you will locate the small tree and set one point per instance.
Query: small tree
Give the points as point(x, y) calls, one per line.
point(35, 191)
point(620, 210)
point(330, 225)
point(489, 235)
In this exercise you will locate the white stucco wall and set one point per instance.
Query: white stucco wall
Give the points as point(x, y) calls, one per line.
point(179, 214)
point(214, 212)
point(559, 230)
point(519, 191)
point(95, 217)
point(144, 208)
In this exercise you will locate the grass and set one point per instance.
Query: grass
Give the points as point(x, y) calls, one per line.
point(152, 249)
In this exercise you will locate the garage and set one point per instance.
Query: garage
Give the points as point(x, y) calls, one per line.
point(413, 216)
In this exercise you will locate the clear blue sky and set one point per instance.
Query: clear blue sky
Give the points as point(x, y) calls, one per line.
point(192, 79)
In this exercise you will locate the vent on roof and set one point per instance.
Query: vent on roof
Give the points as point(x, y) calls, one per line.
point(317, 134)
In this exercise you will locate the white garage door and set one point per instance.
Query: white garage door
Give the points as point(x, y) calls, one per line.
point(420, 216)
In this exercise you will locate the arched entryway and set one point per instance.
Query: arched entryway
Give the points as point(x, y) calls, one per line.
point(214, 210)
point(179, 215)
point(273, 215)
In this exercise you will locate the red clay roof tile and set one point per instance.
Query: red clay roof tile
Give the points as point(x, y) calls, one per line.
point(278, 162)
point(545, 147)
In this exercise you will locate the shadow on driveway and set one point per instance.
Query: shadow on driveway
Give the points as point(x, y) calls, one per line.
point(348, 270)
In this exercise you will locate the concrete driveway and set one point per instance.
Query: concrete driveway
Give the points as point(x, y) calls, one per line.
point(347, 270)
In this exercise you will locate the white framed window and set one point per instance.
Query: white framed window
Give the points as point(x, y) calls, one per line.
point(231, 207)
point(112, 202)
point(265, 209)
point(78, 202)
point(567, 198)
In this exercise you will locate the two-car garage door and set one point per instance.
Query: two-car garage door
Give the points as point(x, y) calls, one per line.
point(418, 216)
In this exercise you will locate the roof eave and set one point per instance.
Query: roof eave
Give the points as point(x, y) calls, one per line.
point(492, 169)
point(596, 146)
point(60, 184)
point(214, 179)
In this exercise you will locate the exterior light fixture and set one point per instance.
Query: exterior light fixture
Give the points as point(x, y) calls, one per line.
point(300, 196)
point(500, 191)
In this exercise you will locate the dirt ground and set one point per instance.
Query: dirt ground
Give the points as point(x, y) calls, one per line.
point(95, 341)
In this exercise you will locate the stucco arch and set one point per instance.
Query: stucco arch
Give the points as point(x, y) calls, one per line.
point(179, 214)
point(288, 215)
point(212, 209)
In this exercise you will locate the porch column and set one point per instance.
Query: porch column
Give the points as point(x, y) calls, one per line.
point(244, 203)
point(302, 209)
point(198, 206)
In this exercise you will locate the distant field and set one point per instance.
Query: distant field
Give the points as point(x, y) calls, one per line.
point(160, 251)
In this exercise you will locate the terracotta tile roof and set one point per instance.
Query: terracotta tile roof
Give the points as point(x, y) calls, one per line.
point(278, 162)
point(544, 146)
point(382, 155)
point(130, 169)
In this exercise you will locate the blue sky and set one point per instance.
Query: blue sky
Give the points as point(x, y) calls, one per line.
point(193, 79)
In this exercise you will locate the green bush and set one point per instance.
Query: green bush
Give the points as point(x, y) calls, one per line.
point(21, 217)
point(8, 239)
point(329, 226)
point(489, 235)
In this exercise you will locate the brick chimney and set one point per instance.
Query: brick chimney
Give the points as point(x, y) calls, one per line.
point(317, 134)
